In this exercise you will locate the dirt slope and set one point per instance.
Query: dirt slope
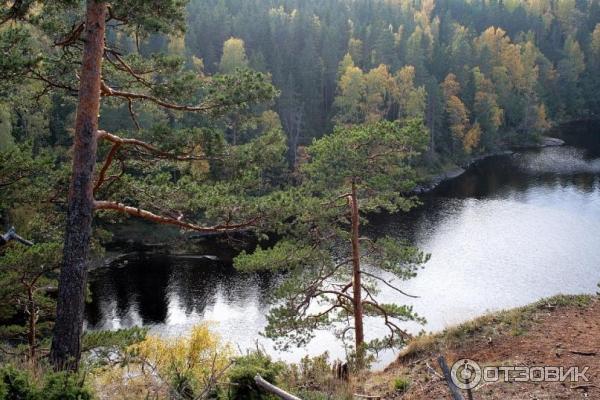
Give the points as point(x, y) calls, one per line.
point(561, 331)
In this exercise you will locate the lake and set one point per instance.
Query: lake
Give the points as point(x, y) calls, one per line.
point(511, 230)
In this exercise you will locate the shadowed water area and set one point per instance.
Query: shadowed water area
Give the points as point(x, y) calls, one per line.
point(511, 230)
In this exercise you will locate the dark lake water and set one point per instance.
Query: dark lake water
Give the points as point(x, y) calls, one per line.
point(511, 230)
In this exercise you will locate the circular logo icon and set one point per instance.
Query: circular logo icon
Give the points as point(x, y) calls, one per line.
point(466, 374)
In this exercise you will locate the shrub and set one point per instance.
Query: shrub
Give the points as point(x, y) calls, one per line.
point(401, 384)
point(161, 368)
point(17, 384)
point(241, 376)
point(65, 386)
point(312, 379)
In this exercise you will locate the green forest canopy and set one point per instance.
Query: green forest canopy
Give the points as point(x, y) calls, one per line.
point(515, 65)
point(482, 73)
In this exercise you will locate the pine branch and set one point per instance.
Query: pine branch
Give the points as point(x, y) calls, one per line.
point(124, 67)
point(107, 91)
point(72, 36)
point(147, 215)
point(147, 146)
point(388, 284)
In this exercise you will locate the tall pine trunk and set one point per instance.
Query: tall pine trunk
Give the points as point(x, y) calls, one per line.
point(66, 341)
point(359, 336)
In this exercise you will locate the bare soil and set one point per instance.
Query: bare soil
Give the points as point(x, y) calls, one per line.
point(563, 331)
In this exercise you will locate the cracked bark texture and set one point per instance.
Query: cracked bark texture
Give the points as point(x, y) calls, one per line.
point(66, 341)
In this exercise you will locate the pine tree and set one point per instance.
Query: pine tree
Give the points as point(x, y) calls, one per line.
point(350, 173)
point(159, 81)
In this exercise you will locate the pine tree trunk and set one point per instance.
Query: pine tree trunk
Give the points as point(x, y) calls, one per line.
point(66, 341)
point(356, 281)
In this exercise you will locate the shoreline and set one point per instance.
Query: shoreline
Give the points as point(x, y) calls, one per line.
point(130, 245)
point(430, 184)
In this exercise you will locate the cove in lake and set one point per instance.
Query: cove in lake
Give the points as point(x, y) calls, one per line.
point(511, 230)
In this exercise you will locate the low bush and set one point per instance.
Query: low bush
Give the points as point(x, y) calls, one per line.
point(245, 368)
point(183, 367)
point(401, 384)
point(21, 384)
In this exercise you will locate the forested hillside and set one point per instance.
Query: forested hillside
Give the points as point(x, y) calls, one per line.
point(482, 72)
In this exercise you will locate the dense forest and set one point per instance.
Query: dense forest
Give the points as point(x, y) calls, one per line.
point(274, 127)
point(483, 74)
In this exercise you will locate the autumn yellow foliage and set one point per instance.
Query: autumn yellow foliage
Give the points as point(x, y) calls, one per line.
point(162, 367)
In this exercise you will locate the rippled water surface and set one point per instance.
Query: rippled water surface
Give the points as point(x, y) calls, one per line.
point(511, 230)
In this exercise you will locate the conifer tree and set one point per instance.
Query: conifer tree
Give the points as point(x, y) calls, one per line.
point(350, 173)
point(130, 79)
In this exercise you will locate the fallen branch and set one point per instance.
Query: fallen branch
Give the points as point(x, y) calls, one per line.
point(583, 353)
point(12, 235)
point(433, 371)
point(585, 387)
point(270, 388)
point(454, 391)
point(366, 396)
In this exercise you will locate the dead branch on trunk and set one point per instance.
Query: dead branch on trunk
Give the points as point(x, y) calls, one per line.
point(107, 91)
point(389, 284)
point(16, 11)
point(132, 114)
point(122, 66)
point(142, 147)
point(52, 83)
point(106, 166)
point(394, 328)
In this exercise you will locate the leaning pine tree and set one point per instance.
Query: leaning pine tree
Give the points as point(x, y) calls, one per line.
point(353, 172)
point(72, 51)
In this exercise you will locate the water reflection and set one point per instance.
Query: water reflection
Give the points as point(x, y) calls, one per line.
point(172, 294)
point(511, 230)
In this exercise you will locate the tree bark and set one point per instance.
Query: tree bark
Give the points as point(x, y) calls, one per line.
point(66, 341)
point(32, 321)
point(356, 280)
